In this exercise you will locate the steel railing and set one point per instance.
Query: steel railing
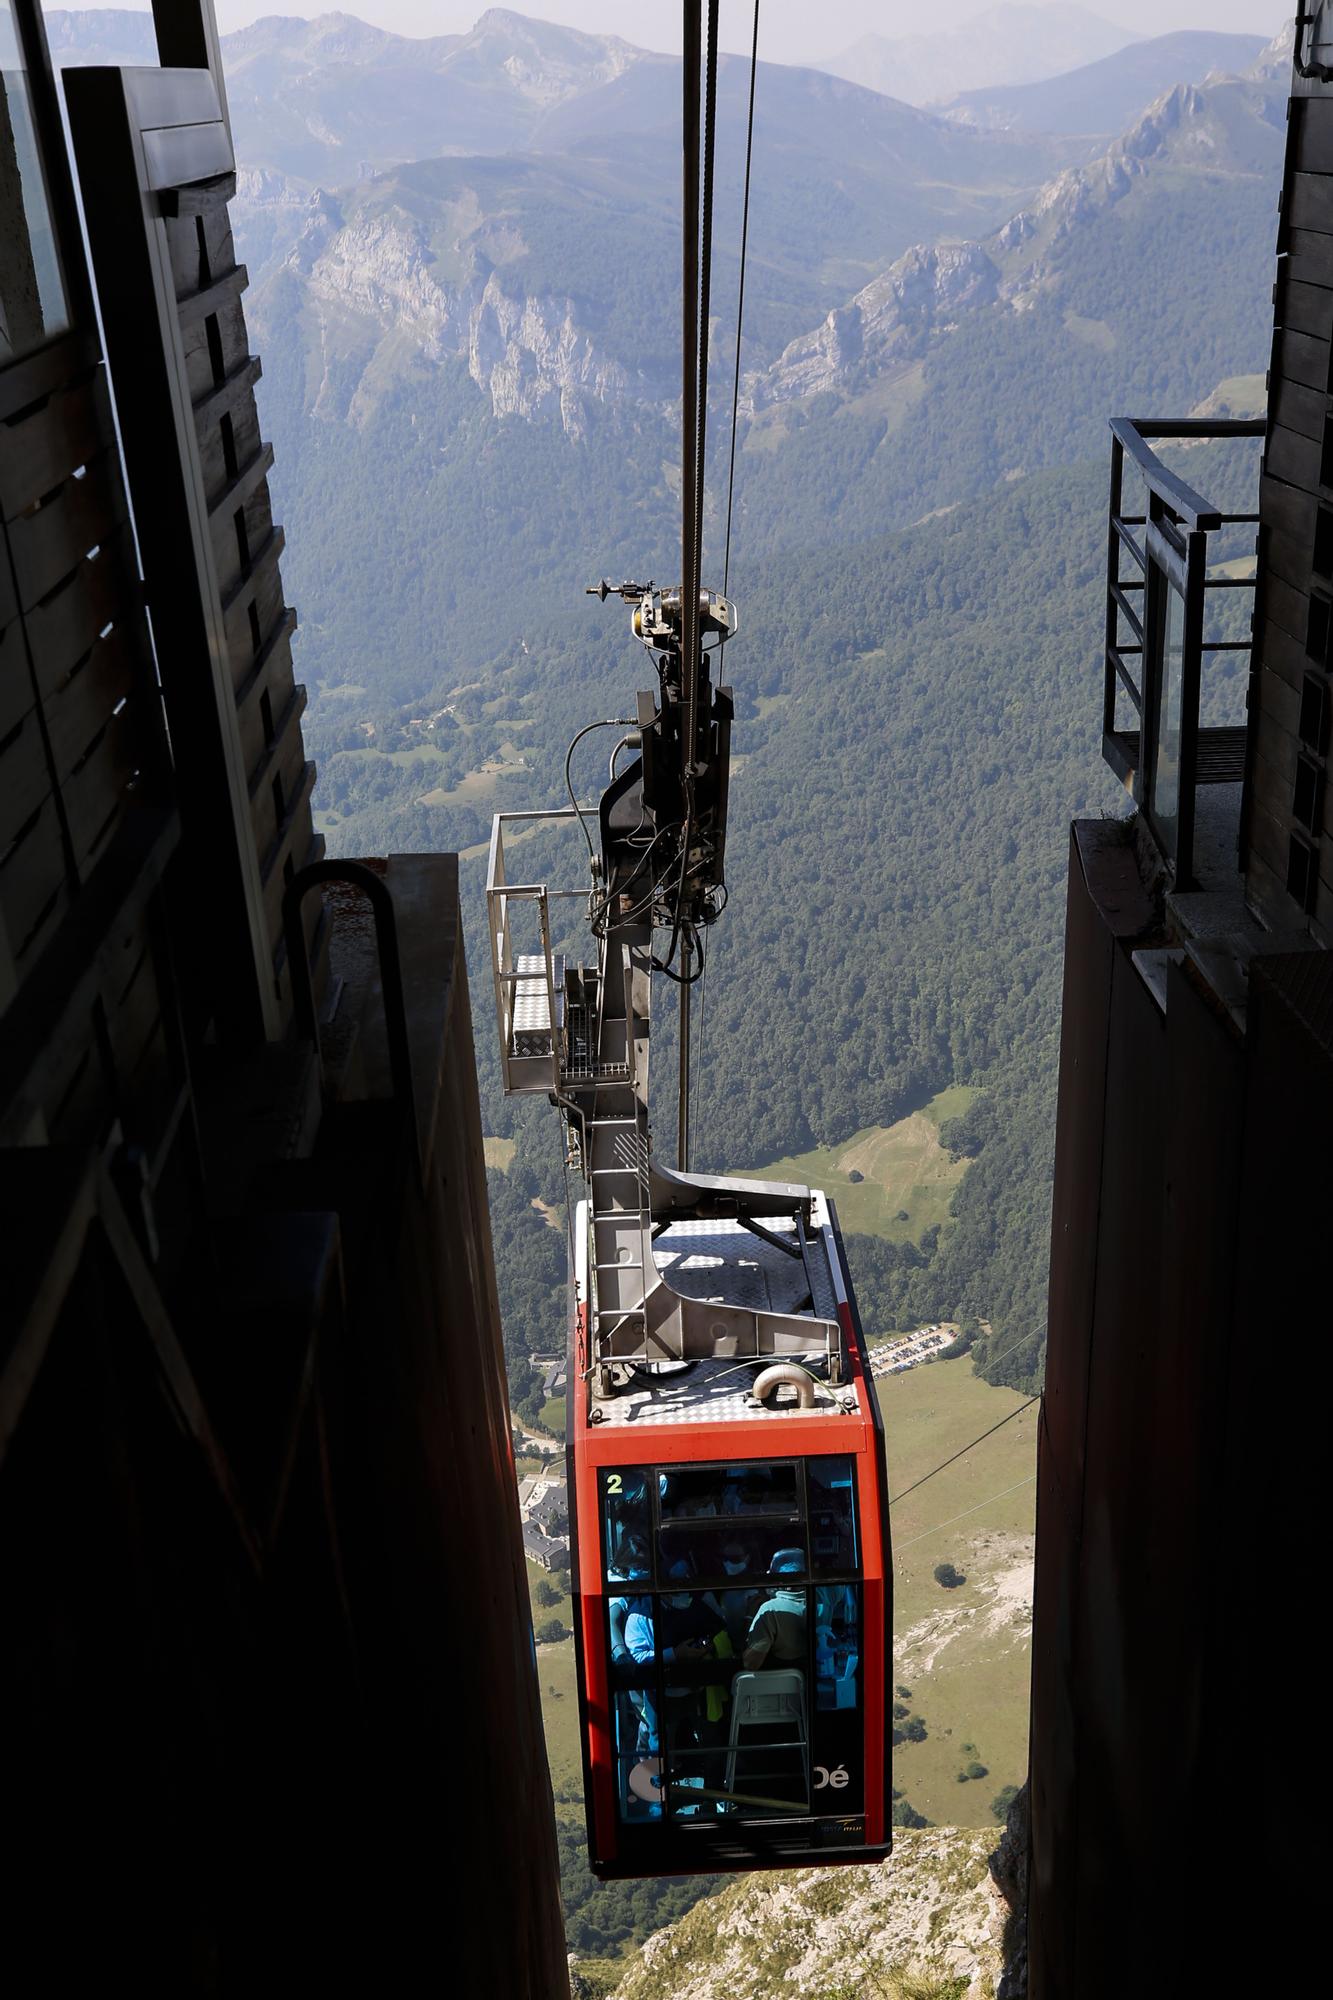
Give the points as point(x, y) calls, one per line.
point(1162, 605)
point(539, 1068)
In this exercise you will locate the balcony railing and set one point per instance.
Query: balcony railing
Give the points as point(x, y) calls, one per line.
point(1160, 629)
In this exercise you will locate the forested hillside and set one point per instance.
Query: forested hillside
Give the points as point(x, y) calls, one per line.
point(470, 392)
point(918, 720)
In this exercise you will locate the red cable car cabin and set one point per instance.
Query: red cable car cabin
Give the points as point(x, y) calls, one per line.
point(727, 1487)
point(731, 1576)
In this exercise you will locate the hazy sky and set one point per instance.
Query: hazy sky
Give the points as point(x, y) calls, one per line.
point(790, 31)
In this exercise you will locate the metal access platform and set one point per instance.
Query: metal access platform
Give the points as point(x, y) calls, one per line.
point(673, 1266)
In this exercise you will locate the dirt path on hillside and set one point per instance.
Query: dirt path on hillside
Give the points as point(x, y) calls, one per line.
point(995, 1602)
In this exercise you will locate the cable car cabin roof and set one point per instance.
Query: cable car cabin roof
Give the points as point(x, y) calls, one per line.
point(726, 1262)
point(713, 1392)
point(731, 1583)
point(722, 1262)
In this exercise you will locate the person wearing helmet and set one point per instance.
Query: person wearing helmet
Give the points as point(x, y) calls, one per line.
point(777, 1630)
point(740, 1600)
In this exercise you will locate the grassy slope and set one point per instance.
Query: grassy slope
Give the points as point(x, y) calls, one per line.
point(555, 1673)
point(904, 1168)
point(964, 1653)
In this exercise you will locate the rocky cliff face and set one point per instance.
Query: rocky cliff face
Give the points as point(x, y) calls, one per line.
point(931, 1917)
point(889, 321)
point(374, 282)
point(1224, 126)
point(434, 267)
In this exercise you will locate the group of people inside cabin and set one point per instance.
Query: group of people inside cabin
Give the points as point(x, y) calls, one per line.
point(697, 1621)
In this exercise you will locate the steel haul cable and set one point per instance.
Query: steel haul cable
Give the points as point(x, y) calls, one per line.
point(940, 1526)
point(965, 1450)
point(740, 297)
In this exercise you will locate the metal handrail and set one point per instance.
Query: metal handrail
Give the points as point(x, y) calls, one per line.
point(1307, 18)
point(499, 895)
point(380, 897)
point(1192, 510)
point(1170, 552)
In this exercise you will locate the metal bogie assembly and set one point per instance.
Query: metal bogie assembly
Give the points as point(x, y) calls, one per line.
point(674, 1266)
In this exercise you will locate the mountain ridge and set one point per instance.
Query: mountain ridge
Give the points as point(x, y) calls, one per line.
point(1102, 97)
point(1009, 43)
point(892, 318)
point(436, 260)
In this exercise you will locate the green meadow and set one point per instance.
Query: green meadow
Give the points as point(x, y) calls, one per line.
point(903, 1170)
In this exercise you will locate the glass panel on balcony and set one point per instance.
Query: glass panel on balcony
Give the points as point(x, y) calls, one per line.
point(1168, 641)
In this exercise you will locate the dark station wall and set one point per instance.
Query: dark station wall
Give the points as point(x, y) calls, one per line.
point(1187, 1373)
point(272, 1721)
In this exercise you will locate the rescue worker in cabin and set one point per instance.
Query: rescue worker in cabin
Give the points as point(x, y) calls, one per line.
point(777, 1630)
point(692, 1634)
point(632, 1565)
point(739, 1601)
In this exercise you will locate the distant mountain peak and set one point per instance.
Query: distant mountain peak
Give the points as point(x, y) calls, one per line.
point(1274, 60)
point(1101, 97)
point(1008, 44)
point(1225, 126)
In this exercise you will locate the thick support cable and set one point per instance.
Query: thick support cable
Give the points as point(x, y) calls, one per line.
point(683, 1104)
point(740, 298)
point(696, 271)
point(689, 349)
point(705, 278)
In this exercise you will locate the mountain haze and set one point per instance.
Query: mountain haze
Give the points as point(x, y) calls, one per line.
point(330, 99)
point(1127, 282)
point(80, 36)
point(470, 377)
point(473, 391)
point(1104, 96)
point(1004, 45)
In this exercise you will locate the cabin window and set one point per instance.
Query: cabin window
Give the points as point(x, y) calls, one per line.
point(833, 1543)
point(734, 1654)
point(711, 1492)
point(626, 1534)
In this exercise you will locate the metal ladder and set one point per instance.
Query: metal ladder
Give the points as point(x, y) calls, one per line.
point(621, 1221)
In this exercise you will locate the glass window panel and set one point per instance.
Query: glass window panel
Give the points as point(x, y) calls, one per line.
point(635, 1706)
point(767, 1766)
point(832, 1492)
point(837, 1752)
point(704, 1727)
point(32, 295)
point(837, 1647)
point(698, 1666)
point(707, 1492)
point(1170, 641)
point(725, 1553)
point(626, 1539)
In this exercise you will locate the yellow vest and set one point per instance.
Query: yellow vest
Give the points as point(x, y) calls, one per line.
point(716, 1698)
